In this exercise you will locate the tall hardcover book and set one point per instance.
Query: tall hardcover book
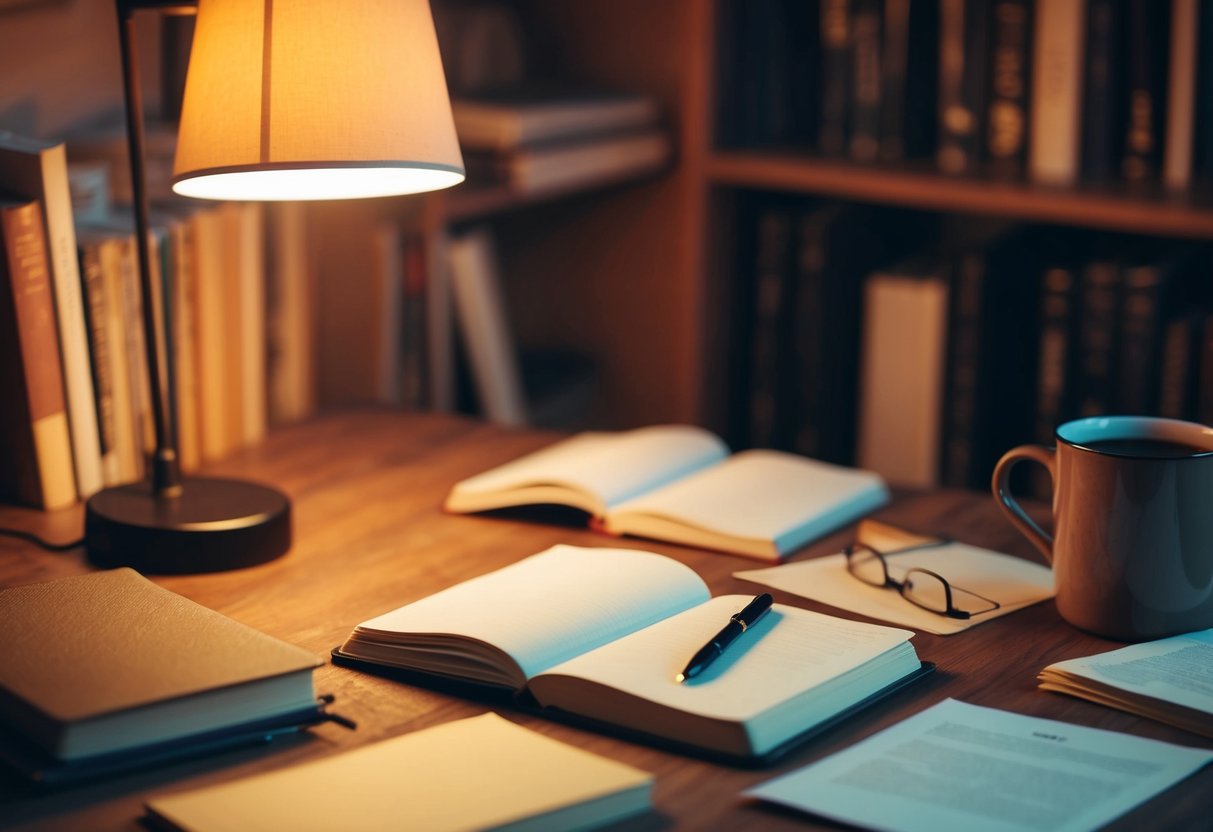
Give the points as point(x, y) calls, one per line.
point(991, 357)
point(1103, 112)
point(1146, 82)
point(1055, 132)
point(1007, 110)
point(904, 358)
point(1098, 333)
point(1055, 356)
point(769, 324)
point(867, 21)
point(909, 85)
point(1179, 133)
point(963, 41)
point(834, 128)
point(92, 275)
point(36, 169)
point(485, 327)
point(1202, 143)
point(1148, 285)
point(35, 443)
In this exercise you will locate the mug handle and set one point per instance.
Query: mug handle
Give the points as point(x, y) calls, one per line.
point(1000, 484)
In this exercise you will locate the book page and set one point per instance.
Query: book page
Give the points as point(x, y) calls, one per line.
point(786, 652)
point(770, 496)
point(547, 608)
point(1178, 669)
point(959, 766)
point(599, 470)
point(478, 773)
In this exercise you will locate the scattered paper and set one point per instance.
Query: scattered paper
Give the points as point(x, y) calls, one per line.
point(959, 766)
point(1013, 582)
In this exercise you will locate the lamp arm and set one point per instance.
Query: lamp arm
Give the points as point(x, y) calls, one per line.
point(165, 468)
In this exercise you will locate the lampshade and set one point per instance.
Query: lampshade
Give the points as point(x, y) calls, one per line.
point(315, 99)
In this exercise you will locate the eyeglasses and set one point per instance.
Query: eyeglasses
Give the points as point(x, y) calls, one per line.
point(921, 587)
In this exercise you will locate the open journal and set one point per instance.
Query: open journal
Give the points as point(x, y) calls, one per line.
point(599, 635)
point(1170, 680)
point(679, 484)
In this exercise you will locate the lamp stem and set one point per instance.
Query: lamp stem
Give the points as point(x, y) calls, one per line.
point(165, 473)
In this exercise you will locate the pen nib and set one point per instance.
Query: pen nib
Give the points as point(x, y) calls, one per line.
point(680, 678)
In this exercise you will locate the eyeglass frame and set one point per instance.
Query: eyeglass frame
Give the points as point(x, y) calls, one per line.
point(952, 611)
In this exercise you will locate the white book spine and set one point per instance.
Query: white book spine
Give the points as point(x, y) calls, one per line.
point(1181, 96)
point(1056, 125)
point(73, 335)
point(486, 329)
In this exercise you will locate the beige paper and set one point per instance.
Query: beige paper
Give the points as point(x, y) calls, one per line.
point(1013, 582)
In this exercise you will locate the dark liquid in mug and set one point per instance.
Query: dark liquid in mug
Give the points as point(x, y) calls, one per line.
point(1152, 448)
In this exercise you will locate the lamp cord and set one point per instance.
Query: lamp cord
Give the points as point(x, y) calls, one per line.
point(30, 537)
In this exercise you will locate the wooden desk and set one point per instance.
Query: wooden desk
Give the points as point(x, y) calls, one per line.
point(370, 536)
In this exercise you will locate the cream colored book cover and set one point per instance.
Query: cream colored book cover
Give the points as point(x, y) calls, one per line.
point(478, 773)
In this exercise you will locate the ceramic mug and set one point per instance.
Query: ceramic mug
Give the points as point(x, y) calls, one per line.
point(1132, 542)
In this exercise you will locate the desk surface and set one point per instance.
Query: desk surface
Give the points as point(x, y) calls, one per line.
point(370, 536)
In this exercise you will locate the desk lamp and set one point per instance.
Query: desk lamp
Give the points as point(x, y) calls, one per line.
point(287, 100)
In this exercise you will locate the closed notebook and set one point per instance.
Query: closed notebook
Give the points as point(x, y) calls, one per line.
point(109, 662)
point(679, 484)
point(600, 635)
point(479, 773)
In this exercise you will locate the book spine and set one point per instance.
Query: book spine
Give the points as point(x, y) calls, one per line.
point(1102, 125)
point(802, 399)
point(964, 351)
point(963, 34)
point(93, 278)
point(1054, 361)
point(904, 330)
point(1056, 99)
point(833, 130)
point(1204, 402)
point(1202, 143)
point(866, 37)
point(895, 68)
point(1147, 77)
point(1175, 368)
point(769, 303)
point(1181, 95)
point(1097, 335)
point(1141, 306)
point(39, 466)
point(1006, 129)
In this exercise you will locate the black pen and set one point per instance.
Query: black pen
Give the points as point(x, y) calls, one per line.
point(737, 625)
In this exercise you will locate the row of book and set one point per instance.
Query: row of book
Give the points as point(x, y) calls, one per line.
point(76, 410)
point(1057, 92)
point(925, 359)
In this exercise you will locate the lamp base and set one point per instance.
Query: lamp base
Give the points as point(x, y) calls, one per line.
point(212, 525)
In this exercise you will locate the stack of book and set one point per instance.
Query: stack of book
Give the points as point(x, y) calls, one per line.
point(542, 140)
point(76, 401)
point(1057, 92)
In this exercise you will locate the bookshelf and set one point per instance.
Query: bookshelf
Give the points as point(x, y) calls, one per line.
point(678, 310)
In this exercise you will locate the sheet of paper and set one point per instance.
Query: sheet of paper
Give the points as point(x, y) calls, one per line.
point(959, 766)
point(1012, 582)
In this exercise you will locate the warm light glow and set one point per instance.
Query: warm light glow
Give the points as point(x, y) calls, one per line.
point(317, 183)
point(315, 99)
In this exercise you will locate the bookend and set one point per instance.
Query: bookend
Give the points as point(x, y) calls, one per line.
point(507, 697)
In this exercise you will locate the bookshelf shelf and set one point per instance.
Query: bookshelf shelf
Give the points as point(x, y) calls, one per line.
point(475, 202)
point(1108, 209)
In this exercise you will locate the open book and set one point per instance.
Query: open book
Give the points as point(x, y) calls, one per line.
point(1170, 680)
point(679, 484)
point(601, 634)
